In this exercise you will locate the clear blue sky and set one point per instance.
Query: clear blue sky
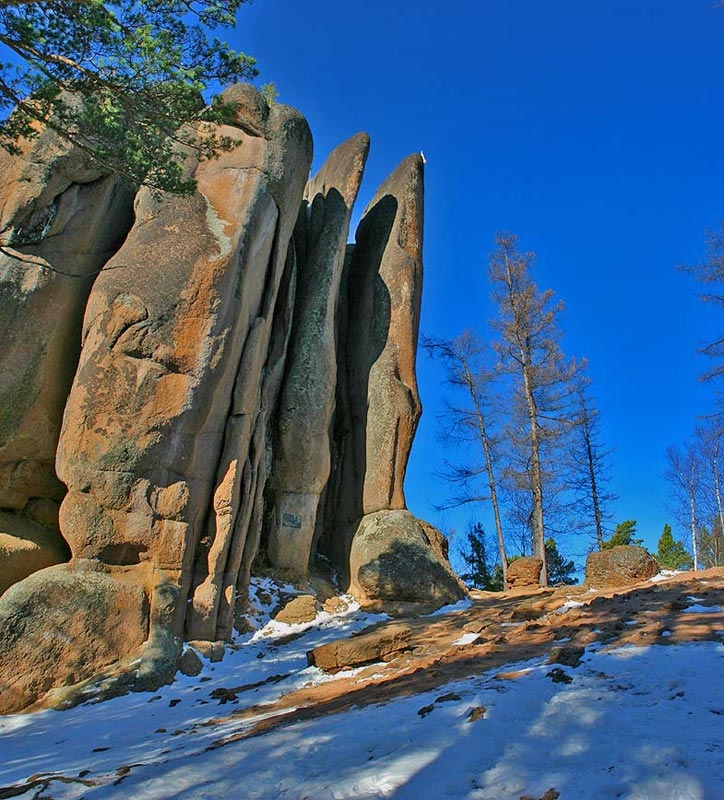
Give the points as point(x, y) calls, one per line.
point(595, 131)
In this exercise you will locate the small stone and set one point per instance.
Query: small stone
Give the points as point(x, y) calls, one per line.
point(568, 655)
point(559, 676)
point(190, 664)
point(300, 609)
point(476, 713)
point(425, 710)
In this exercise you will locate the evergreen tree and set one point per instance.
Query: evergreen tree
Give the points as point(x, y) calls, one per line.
point(670, 553)
point(121, 80)
point(483, 572)
point(559, 570)
point(623, 535)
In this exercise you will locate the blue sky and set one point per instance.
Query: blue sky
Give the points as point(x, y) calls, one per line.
point(592, 130)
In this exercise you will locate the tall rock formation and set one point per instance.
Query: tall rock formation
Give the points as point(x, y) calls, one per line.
point(378, 404)
point(158, 424)
point(301, 465)
point(245, 392)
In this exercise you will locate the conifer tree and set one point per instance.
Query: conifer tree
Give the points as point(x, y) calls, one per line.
point(670, 553)
point(624, 534)
point(119, 80)
point(482, 572)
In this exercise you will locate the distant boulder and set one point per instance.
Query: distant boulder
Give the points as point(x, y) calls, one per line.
point(620, 566)
point(524, 572)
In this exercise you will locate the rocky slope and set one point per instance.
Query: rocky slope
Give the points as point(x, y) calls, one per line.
point(531, 694)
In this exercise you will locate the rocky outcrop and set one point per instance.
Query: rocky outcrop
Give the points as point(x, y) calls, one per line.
point(60, 221)
point(393, 559)
point(157, 429)
point(377, 401)
point(245, 394)
point(620, 566)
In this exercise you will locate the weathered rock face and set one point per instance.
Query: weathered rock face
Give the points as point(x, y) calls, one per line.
point(300, 474)
point(620, 566)
point(392, 559)
point(524, 572)
point(60, 221)
point(246, 389)
point(157, 428)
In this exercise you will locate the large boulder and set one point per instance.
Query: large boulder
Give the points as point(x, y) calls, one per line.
point(300, 473)
point(61, 626)
point(392, 559)
point(26, 547)
point(620, 566)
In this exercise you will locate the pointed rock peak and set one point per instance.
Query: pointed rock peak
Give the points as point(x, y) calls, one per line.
point(405, 180)
point(342, 170)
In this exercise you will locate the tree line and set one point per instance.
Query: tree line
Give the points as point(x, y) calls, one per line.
point(695, 467)
point(526, 416)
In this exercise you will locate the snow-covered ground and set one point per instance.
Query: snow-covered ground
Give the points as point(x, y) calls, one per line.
point(634, 722)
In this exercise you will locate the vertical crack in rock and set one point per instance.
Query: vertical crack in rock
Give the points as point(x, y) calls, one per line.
point(286, 161)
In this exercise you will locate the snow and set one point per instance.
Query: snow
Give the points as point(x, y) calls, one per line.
point(697, 608)
point(635, 723)
point(567, 606)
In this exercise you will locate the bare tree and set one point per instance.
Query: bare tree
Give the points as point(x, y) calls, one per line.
point(709, 443)
point(710, 273)
point(529, 351)
point(463, 358)
point(588, 471)
point(684, 474)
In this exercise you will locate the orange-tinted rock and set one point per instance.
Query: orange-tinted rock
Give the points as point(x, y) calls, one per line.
point(362, 649)
point(524, 572)
point(26, 547)
point(60, 221)
point(620, 566)
point(156, 434)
